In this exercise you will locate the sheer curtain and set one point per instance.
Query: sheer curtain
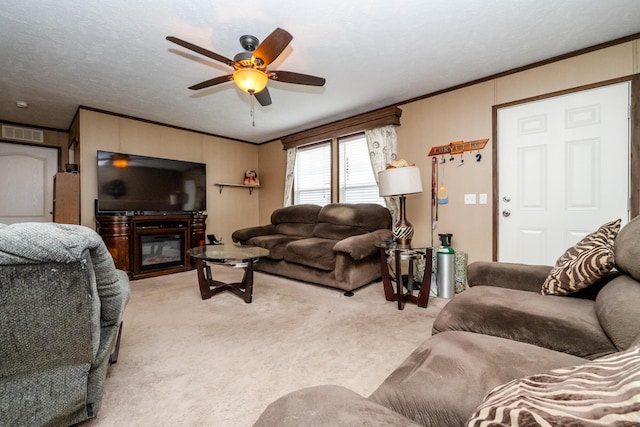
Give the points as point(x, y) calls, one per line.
point(288, 180)
point(383, 150)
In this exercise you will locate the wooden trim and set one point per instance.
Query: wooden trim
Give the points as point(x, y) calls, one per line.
point(634, 154)
point(378, 118)
point(568, 91)
point(528, 67)
point(494, 184)
point(634, 117)
point(124, 116)
point(503, 74)
point(396, 104)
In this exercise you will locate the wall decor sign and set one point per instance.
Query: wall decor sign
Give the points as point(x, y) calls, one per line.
point(458, 147)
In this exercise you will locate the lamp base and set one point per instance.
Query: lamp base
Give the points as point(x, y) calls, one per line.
point(403, 235)
point(403, 230)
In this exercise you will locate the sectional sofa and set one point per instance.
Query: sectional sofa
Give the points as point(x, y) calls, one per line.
point(525, 345)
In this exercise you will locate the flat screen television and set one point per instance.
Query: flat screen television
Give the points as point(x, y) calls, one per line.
point(141, 184)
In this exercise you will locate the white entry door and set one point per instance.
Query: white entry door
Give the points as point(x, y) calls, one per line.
point(26, 183)
point(563, 168)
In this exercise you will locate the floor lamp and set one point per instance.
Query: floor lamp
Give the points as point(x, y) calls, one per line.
point(400, 182)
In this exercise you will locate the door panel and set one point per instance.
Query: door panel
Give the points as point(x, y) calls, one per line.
point(26, 174)
point(563, 171)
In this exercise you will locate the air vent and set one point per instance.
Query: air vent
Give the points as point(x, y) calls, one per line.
point(22, 134)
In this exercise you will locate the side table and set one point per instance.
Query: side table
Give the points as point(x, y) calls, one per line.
point(409, 255)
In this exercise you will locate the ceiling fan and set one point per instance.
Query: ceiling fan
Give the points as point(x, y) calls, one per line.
point(251, 73)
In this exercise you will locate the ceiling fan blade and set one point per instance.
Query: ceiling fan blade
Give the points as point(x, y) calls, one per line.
point(212, 82)
point(271, 47)
point(200, 50)
point(263, 97)
point(297, 78)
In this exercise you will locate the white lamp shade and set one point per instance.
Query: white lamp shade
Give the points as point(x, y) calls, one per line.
point(399, 181)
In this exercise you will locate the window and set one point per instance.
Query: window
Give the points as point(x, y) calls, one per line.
point(354, 180)
point(312, 175)
point(357, 183)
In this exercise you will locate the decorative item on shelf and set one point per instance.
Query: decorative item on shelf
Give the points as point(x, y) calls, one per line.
point(400, 179)
point(251, 178)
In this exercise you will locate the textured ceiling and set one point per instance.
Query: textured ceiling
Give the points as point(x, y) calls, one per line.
point(113, 56)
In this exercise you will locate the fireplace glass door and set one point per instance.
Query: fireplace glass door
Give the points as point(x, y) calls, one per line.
point(160, 251)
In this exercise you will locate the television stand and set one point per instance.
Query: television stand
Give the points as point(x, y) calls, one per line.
point(152, 245)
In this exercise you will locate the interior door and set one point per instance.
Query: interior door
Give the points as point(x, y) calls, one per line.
point(26, 174)
point(563, 168)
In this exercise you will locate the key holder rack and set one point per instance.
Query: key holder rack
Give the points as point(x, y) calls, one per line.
point(458, 147)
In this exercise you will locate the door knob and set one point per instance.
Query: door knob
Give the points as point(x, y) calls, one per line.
point(506, 213)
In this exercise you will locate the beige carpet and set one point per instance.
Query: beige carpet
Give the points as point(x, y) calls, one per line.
point(220, 362)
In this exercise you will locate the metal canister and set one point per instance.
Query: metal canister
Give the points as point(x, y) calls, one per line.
point(446, 263)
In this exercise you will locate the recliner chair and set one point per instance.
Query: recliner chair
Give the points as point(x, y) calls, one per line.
point(61, 306)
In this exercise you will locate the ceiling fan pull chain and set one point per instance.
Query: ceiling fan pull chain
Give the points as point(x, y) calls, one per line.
point(253, 116)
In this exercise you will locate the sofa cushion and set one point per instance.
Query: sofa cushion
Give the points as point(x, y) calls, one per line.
point(627, 249)
point(244, 234)
point(275, 243)
point(305, 214)
point(363, 245)
point(525, 277)
point(295, 229)
point(618, 309)
point(584, 263)
point(559, 323)
point(312, 252)
point(602, 392)
point(335, 231)
point(445, 379)
point(368, 216)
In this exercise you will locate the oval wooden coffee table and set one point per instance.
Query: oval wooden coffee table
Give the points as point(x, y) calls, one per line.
point(232, 256)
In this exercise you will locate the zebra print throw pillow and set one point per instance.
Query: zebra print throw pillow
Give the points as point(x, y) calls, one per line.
point(604, 392)
point(585, 263)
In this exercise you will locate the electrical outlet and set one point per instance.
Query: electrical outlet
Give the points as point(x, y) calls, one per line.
point(469, 199)
point(483, 198)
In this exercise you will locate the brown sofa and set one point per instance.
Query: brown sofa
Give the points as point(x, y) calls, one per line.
point(333, 245)
point(503, 352)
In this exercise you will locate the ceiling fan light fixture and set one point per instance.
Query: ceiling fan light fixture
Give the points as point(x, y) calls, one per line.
point(250, 80)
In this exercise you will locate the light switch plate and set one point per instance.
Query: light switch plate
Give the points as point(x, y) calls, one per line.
point(470, 199)
point(483, 198)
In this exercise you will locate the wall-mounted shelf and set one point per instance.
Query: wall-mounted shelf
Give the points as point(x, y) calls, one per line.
point(223, 184)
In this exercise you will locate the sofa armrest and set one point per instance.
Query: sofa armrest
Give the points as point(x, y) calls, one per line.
point(328, 405)
point(363, 245)
point(244, 234)
point(508, 275)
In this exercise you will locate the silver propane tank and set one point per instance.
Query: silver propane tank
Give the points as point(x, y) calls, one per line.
point(446, 262)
